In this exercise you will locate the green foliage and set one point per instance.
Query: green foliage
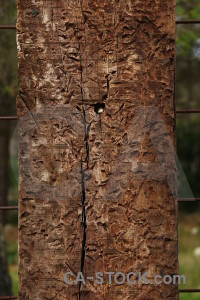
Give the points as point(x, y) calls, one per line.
point(187, 96)
point(14, 277)
point(8, 11)
point(187, 35)
point(8, 58)
point(12, 254)
point(188, 148)
point(188, 262)
point(188, 9)
point(185, 42)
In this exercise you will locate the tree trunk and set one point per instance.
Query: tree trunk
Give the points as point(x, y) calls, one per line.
point(97, 186)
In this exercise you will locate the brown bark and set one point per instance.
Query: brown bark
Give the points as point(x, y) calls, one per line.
point(97, 191)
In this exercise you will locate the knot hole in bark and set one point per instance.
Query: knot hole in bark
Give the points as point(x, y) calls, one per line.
point(99, 108)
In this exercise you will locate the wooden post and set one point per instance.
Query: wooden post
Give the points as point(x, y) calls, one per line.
point(97, 180)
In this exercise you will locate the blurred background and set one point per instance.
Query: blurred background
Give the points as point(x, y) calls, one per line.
point(188, 146)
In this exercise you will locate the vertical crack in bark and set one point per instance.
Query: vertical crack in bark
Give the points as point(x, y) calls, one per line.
point(108, 84)
point(81, 6)
point(115, 12)
point(27, 107)
point(84, 219)
point(84, 223)
point(100, 122)
point(86, 130)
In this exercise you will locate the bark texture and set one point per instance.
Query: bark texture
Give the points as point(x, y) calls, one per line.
point(97, 190)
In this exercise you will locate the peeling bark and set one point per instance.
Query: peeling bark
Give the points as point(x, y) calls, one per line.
point(97, 188)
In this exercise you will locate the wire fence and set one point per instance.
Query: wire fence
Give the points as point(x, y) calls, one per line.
point(8, 297)
point(184, 111)
point(179, 200)
point(178, 22)
point(179, 111)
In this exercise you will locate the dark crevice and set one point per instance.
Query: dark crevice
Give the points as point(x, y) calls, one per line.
point(82, 12)
point(84, 224)
point(27, 107)
point(52, 13)
point(99, 109)
point(86, 129)
point(100, 122)
point(108, 77)
point(84, 219)
point(115, 13)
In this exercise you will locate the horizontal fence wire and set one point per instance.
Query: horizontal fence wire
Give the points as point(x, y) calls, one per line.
point(8, 207)
point(188, 22)
point(180, 111)
point(179, 200)
point(190, 291)
point(8, 297)
point(7, 27)
point(8, 118)
point(180, 291)
point(178, 22)
point(188, 199)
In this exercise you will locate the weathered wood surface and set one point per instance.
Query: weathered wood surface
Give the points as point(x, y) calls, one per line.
point(96, 192)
